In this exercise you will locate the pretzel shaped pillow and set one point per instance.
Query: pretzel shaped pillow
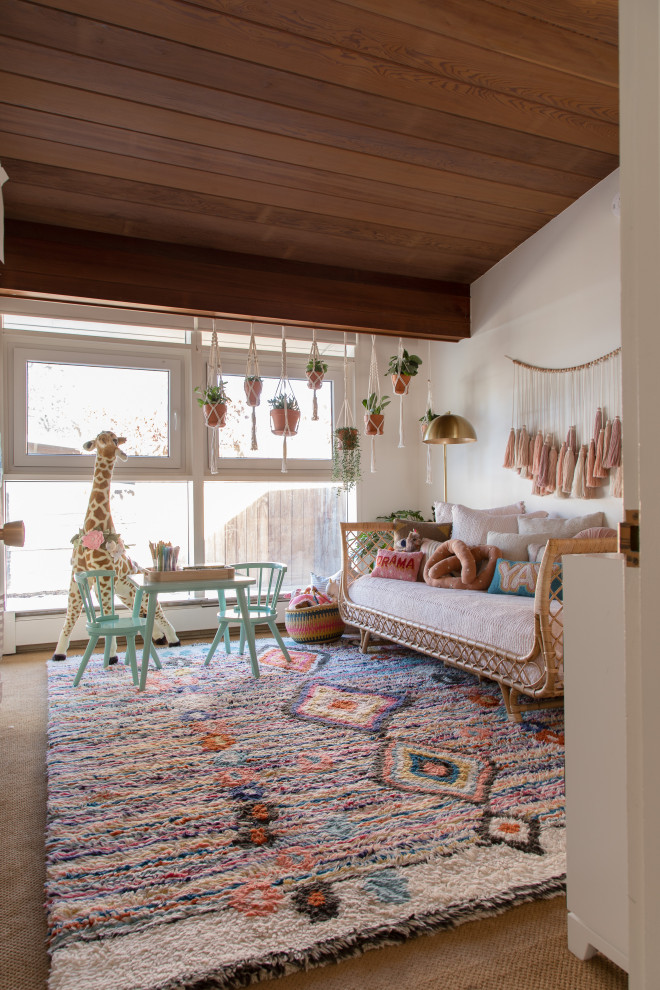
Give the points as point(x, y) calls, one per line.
point(455, 565)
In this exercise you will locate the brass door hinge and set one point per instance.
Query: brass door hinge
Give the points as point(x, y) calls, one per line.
point(629, 537)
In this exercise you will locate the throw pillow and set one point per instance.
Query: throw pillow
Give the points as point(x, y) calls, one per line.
point(427, 530)
point(595, 533)
point(442, 511)
point(535, 551)
point(399, 566)
point(512, 546)
point(559, 528)
point(519, 577)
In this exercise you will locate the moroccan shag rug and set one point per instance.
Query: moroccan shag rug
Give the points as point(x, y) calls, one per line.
point(217, 830)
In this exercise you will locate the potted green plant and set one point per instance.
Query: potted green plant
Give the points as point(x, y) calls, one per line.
point(253, 385)
point(426, 419)
point(346, 457)
point(284, 420)
point(315, 372)
point(401, 371)
point(373, 417)
point(214, 400)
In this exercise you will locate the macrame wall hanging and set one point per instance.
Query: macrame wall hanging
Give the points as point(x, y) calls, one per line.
point(253, 385)
point(582, 403)
point(374, 405)
point(346, 439)
point(215, 410)
point(285, 412)
point(315, 372)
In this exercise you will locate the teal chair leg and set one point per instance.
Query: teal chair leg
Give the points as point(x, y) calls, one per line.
point(241, 642)
point(85, 659)
point(106, 651)
point(131, 657)
point(278, 639)
point(223, 630)
point(154, 656)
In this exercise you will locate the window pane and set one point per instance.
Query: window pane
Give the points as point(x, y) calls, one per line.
point(313, 440)
point(295, 523)
point(68, 404)
point(53, 511)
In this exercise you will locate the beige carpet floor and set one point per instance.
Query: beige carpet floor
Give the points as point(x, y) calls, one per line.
point(522, 949)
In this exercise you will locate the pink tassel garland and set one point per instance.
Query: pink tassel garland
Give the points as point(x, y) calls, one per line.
point(536, 458)
point(590, 481)
point(578, 478)
point(551, 481)
point(510, 449)
point(598, 424)
point(559, 475)
point(606, 442)
point(613, 458)
point(568, 472)
point(600, 471)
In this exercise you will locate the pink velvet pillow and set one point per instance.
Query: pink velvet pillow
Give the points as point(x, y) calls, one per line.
point(401, 566)
point(595, 533)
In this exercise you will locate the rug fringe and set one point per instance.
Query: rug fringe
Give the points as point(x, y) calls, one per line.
point(335, 950)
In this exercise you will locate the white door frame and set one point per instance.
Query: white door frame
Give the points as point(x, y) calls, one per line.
point(640, 281)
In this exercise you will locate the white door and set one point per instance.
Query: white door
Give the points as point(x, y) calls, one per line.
point(640, 253)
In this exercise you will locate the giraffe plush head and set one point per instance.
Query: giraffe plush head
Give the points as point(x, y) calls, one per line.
point(107, 443)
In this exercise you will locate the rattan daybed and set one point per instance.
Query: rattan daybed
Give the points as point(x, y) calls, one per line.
point(515, 641)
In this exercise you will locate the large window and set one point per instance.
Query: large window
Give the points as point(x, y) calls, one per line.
point(63, 388)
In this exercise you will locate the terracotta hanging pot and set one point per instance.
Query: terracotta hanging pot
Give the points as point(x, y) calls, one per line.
point(347, 438)
point(400, 383)
point(373, 424)
point(253, 391)
point(215, 414)
point(284, 422)
point(314, 379)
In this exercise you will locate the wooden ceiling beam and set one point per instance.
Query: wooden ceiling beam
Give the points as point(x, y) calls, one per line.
point(73, 265)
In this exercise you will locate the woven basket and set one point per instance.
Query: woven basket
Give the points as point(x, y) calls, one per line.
point(318, 624)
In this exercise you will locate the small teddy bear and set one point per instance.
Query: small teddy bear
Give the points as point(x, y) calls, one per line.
point(410, 543)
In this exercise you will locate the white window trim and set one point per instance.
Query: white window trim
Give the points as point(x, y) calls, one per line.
point(23, 347)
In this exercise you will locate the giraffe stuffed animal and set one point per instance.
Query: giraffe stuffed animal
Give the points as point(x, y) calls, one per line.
point(98, 546)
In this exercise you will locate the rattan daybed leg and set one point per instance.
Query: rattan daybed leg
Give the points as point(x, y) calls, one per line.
point(510, 699)
point(365, 636)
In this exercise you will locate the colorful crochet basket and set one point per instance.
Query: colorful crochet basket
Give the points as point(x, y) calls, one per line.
point(317, 624)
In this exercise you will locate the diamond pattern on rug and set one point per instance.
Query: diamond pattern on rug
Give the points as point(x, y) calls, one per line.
point(299, 661)
point(436, 771)
point(511, 831)
point(346, 706)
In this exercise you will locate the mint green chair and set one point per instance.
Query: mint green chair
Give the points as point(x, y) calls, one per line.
point(262, 606)
point(107, 624)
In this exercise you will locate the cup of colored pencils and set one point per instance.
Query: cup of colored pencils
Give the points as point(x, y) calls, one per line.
point(164, 555)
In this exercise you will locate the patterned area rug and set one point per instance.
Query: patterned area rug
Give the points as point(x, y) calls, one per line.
point(217, 830)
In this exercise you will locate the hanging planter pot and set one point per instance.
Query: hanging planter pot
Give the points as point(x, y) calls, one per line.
point(253, 387)
point(425, 420)
point(347, 438)
point(346, 457)
point(215, 413)
point(400, 384)
point(284, 422)
point(315, 372)
point(373, 417)
point(373, 424)
point(402, 368)
point(213, 399)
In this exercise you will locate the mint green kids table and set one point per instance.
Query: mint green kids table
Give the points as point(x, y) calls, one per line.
point(145, 585)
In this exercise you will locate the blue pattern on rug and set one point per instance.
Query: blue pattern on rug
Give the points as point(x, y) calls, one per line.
point(245, 827)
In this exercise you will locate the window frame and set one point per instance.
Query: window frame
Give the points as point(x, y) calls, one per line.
point(23, 347)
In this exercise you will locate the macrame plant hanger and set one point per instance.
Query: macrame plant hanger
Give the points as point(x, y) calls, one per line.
point(374, 390)
point(214, 377)
point(429, 408)
point(315, 382)
point(346, 423)
point(253, 384)
point(399, 357)
point(284, 400)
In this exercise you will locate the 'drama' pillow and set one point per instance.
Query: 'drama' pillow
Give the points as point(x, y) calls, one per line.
point(400, 566)
point(519, 577)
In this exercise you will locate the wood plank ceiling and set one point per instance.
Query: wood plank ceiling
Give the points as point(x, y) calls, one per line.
point(405, 145)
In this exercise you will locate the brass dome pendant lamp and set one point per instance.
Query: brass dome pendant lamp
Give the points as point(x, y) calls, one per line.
point(447, 429)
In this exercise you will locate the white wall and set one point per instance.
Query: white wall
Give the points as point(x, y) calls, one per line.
point(553, 302)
